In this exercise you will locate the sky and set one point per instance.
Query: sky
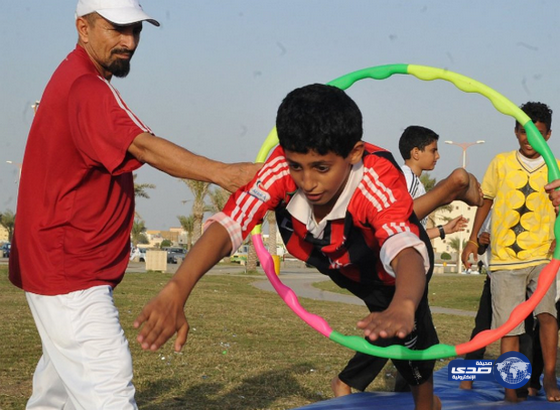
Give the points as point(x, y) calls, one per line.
point(212, 76)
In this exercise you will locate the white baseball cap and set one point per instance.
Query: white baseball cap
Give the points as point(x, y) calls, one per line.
point(121, 12)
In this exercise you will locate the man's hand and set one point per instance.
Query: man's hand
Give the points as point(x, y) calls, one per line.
point(161, 318)
point(394, 321)
point(236, 175)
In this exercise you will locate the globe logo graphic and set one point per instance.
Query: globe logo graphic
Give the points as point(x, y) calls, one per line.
point(512, 370)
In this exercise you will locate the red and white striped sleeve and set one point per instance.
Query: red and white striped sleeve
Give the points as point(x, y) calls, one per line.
point(389, 208)
point(247, 207)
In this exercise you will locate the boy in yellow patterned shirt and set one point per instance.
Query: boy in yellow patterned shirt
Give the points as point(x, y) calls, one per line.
point(522, 237)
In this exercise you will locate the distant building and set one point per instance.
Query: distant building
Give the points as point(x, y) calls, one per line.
point(177, 236)
point(441, 218)
point(3, 234)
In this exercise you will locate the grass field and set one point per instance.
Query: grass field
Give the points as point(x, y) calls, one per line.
point(443, 290)
point(246, 349)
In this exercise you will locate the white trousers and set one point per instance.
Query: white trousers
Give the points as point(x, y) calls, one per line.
point(86, 362)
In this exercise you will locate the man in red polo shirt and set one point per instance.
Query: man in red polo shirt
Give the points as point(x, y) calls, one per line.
point(76, 209)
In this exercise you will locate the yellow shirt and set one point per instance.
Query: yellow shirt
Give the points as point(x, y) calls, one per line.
point(522, 216)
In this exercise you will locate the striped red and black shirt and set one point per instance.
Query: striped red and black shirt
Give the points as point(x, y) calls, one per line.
point(374, 222)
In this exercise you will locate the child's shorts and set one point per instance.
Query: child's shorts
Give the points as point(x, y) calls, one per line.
point(423, 336)
point(511, 287)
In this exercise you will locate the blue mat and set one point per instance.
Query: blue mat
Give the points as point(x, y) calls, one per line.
point(484, 395)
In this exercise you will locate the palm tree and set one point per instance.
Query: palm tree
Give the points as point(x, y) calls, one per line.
point(251, 257)
point(429, 183)
point(140, 192)
point(218, 198)
point(454, 244)
point(187, 223)
point(140, 189)
point(7, 220)
point(272, 244)
point(272, 229)
point(199, 190)
point(138, 233)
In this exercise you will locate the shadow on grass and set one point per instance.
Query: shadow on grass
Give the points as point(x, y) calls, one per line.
point(257, 392)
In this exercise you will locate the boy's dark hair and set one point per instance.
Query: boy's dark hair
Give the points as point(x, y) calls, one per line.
point(538, 112)
point(415, 136)
point(321, 118)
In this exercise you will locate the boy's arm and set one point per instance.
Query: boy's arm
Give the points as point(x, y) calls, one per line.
point(164, 315)
point(455, 225)
point(398, 318)
point(471, 248)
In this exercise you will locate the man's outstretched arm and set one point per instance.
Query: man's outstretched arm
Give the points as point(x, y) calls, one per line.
point(182, 163)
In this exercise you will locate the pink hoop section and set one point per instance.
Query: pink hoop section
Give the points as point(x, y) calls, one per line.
point(287, 294)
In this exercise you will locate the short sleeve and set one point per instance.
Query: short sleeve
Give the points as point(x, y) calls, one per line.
point(102, 126)
point(489, 181)
point(390, 207)
point(247, 207)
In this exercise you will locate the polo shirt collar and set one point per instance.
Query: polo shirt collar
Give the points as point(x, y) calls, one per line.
point(301, 209)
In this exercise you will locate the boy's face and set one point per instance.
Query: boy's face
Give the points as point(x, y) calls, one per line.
point(428, 157)
point(322, 178)
point(524, 147)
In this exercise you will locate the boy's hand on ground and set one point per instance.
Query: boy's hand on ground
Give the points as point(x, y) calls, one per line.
point(394, 321)
point(161, 318)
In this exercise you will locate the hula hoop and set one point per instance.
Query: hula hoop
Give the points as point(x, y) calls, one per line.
point(439, 351)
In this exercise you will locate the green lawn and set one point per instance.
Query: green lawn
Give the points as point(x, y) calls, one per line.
point(443, 290)
point(246, 349)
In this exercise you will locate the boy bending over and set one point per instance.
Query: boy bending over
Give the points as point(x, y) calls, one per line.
point(419, 149)
point(342, 206)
